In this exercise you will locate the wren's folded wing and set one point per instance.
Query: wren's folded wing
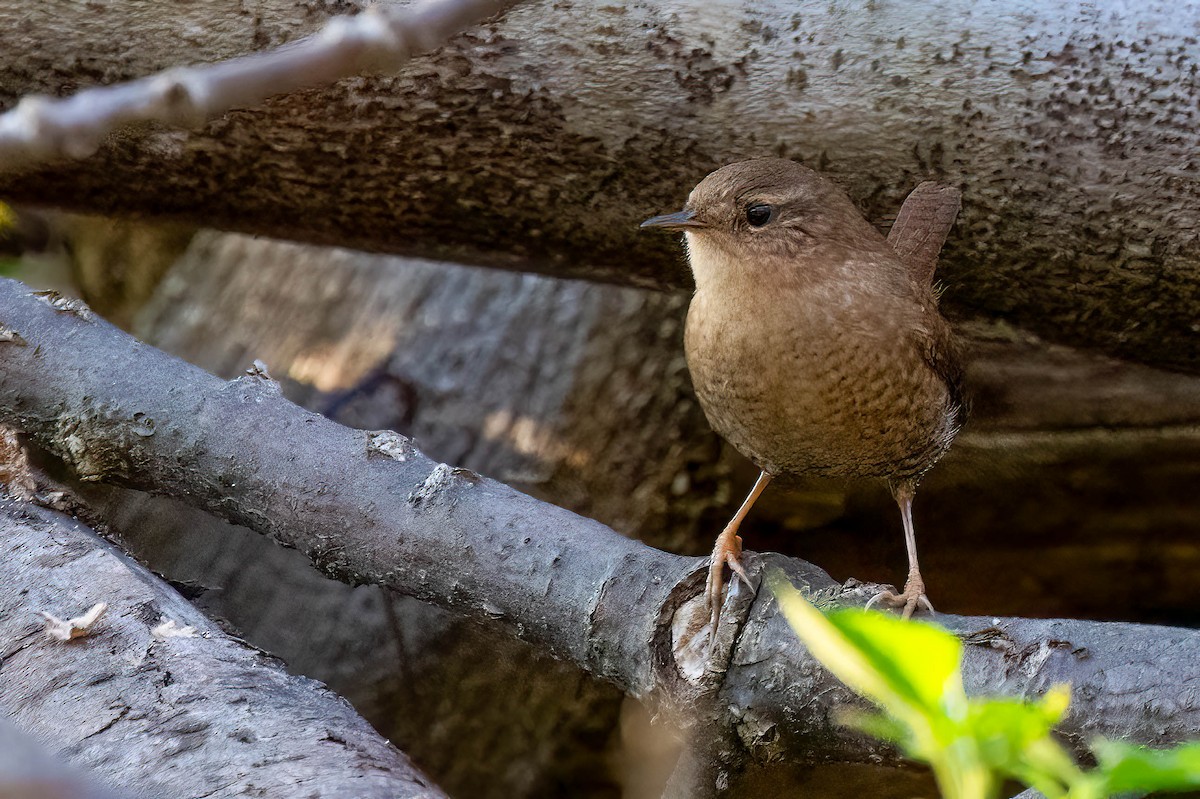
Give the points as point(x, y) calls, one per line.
point(943, 353)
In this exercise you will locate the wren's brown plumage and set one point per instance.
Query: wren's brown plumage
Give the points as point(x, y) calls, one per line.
point(813, 346)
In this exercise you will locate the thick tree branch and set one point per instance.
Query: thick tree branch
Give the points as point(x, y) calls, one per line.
point(378, 40)
point(539, 142)
point(368, 507)
point(158, 714)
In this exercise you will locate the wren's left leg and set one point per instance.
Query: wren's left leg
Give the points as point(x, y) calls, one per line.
point(914, 588)
point(728, 550)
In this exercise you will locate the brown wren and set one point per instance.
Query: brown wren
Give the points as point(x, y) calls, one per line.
point(814, 346)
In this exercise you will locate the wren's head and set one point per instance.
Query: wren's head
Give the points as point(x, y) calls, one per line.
point(764, 214)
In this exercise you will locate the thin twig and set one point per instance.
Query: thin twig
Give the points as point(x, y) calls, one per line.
point(380, 39)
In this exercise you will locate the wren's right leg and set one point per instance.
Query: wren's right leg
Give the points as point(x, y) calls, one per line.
point(913, 595)
point(728, 550)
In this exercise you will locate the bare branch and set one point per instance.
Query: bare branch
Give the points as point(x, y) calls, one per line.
point(378, 40)
point(179, 716)
point(368, 507)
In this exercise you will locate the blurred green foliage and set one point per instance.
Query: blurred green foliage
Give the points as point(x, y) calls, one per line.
point(912, 671)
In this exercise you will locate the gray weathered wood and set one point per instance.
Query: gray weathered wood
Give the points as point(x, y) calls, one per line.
point(177, 717)
point(541, 142)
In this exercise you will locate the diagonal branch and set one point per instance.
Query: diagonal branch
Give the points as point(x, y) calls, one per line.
point(378, 40)
point(367, 507)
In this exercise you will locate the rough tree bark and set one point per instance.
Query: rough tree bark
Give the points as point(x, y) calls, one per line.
point(369, 507)
point(541, 142)
point(198, 715)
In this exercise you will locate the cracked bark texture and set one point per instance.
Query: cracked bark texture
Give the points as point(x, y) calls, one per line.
point(184, 716)
point(369, 507)
point(540, 142)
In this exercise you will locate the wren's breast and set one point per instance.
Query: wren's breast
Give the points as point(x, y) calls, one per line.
point(809, 387)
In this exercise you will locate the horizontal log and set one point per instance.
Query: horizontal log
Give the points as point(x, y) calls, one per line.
point(539, 142)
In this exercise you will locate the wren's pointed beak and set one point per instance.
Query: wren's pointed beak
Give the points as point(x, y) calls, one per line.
point(679, 220)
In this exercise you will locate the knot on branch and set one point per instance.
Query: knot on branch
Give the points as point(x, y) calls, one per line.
point(259, 382)
point(391, 444)
point(68, 305)
point(182, 97)
point(99, 443)
point(11, 336)
point(443, 479)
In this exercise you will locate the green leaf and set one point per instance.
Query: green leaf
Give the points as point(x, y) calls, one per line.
point(912, 671)
point(1006, 728)
point(919, 660)
point(1136, 768)
point(904, 666)
point(830, 646)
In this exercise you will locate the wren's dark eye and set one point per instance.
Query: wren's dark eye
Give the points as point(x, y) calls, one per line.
point(759, 215)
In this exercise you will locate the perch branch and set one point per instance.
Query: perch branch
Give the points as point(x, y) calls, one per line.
point(367, 507)
point(378, 40)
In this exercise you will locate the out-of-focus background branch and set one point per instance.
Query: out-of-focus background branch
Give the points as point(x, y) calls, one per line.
point(41, 128)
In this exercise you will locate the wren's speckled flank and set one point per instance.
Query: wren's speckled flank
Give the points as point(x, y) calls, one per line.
point(814, 347)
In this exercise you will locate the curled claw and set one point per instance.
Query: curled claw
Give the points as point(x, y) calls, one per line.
point(911, 598)
point(728, 551)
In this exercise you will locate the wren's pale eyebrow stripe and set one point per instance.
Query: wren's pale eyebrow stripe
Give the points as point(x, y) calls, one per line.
point(814, 347)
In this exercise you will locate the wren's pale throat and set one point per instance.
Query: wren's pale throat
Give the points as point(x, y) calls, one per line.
point(815, 344)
